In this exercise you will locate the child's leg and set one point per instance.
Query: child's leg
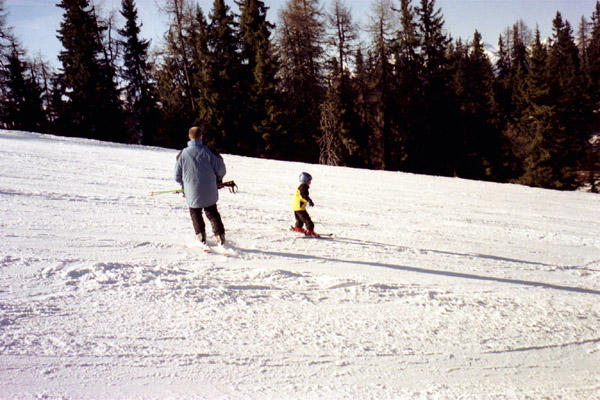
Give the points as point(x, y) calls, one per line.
point(198, 222)
point(304, 218)
point(299, 222)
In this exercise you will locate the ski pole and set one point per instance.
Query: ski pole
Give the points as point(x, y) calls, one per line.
point(167, 191)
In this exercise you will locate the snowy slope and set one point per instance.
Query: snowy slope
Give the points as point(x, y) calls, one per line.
point(434, 288)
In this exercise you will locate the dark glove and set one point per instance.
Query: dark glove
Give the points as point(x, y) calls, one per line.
point(310, 203)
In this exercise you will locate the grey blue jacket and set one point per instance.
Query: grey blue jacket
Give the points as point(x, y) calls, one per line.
point(198, 169)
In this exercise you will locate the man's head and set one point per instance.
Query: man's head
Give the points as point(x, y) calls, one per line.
point(195, 133)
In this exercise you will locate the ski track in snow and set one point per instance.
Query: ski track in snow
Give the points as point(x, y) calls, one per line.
point(433, 288)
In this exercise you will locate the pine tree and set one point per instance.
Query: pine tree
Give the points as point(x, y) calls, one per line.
point(300, 37)
point(22, 101)
point(139, 103)
point(511, 68)
point(592, 68)
point(264, 116)
point(502, 84)
point(407, 72)
point(593, 57)
point(178, 69)
point(224, 105)
point(572, 107)
point(383, 136)
point(553, 127)
point(538, 121)
point(582, 42)
point(87, 79)
point(196, 40)
point(520, 42)
point(480, 147)
point(439, 111)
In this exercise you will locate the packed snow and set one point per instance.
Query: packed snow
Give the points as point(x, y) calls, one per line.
point(432, 287)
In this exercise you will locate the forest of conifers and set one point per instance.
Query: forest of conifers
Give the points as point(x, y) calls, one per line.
point(398, 93)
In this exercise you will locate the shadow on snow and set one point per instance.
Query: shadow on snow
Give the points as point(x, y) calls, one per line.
point(460, 275)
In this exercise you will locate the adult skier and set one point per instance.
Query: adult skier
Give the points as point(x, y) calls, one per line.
point(199, 170)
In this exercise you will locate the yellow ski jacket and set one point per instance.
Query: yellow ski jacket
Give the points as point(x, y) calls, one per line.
point(301, 198)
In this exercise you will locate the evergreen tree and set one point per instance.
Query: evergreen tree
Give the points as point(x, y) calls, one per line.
point(196, 41)
point(592, 68)
point(502, 84)
point(572, 107)
point(224, 106)
point(582, 42)
point(383, 133)
point(511, 69)
point(437, 144)
point(480, 146)
point(22, 101)
point(300, 37)
point(139, 102)
point(501, 119)
point(177, 68)
point(593, 62)
point(538, 121)
point(520, 42)
point(409, 97)
point(262, 102)
point(87, 79)
point(555, 123)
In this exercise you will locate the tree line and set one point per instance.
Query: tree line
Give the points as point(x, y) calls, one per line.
point(397, 93)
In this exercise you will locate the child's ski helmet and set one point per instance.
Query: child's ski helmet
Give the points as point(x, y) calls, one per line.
point(305, 177)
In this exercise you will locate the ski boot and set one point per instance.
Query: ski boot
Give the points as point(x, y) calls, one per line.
point(312, 233)
point(299, 230)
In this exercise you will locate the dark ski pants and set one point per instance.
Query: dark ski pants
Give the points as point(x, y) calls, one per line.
point(213, 216)
point(302, 218)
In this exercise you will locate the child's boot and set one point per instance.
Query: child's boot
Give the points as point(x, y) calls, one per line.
point(299, 230)
point(312, 233)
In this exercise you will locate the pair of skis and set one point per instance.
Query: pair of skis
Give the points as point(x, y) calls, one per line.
point(217, 250)
point(301, 235)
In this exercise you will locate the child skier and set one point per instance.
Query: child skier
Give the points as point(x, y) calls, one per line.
point(299, 202)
